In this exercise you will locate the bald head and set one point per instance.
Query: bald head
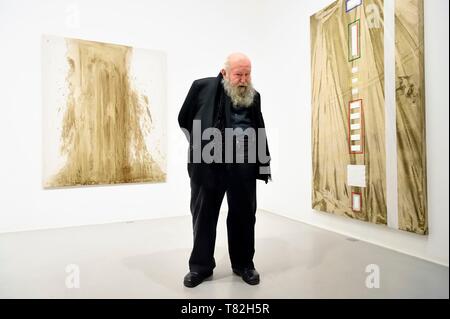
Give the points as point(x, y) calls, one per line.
point(237, 69)
point(237, 59)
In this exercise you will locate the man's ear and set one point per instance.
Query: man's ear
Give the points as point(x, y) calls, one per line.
point(224, 72)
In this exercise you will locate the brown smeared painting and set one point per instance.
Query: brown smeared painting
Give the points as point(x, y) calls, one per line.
point(349, 113)
point(410, 100)
point(103, 113)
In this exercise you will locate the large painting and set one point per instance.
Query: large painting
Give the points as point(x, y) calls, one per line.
point(103, 113)
point(352, 116)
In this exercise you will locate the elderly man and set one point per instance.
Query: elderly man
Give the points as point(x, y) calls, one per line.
point(220, 105)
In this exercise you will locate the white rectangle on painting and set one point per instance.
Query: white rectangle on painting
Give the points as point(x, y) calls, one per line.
point(356, 175)
point(355, 116)
point(355, 70)
point(355, 91)
point(354, 127)
point(356, 137)
point(352, 4)
point(354, 80)
point(355, 104)
point(356, 148)
point(354, 33)
point(356, 202)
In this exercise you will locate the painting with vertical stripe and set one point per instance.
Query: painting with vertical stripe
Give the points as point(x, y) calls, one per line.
point(349, 121)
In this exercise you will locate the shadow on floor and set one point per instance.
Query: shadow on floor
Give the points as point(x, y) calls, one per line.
point(167, 268)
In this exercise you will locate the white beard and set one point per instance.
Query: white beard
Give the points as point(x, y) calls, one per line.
point(240, 95)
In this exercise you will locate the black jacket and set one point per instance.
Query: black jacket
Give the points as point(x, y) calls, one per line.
point(201, 104)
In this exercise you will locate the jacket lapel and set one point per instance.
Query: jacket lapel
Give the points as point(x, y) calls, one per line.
point(210, 103)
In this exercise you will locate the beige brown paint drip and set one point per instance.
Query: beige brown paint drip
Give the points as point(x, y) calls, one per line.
point(105, 120)
point(411, 134)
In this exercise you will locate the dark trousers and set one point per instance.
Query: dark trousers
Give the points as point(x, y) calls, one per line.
point(206, 201)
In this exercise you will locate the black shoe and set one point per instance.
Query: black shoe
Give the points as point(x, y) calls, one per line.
point(193, 279)
point(250, 276)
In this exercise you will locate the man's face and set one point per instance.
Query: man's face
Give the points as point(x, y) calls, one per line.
point(237, 83)
point(239, 74)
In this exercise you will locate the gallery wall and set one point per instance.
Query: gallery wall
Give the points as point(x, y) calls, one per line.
point(288, 91)
point(197, 35)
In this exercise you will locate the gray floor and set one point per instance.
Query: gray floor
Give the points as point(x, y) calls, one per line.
point(148, 259)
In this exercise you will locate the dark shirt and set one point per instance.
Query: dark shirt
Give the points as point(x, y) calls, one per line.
point(240, 117)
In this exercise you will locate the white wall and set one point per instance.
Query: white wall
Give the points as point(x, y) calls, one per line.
point(286, 90)
point(197, 35)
